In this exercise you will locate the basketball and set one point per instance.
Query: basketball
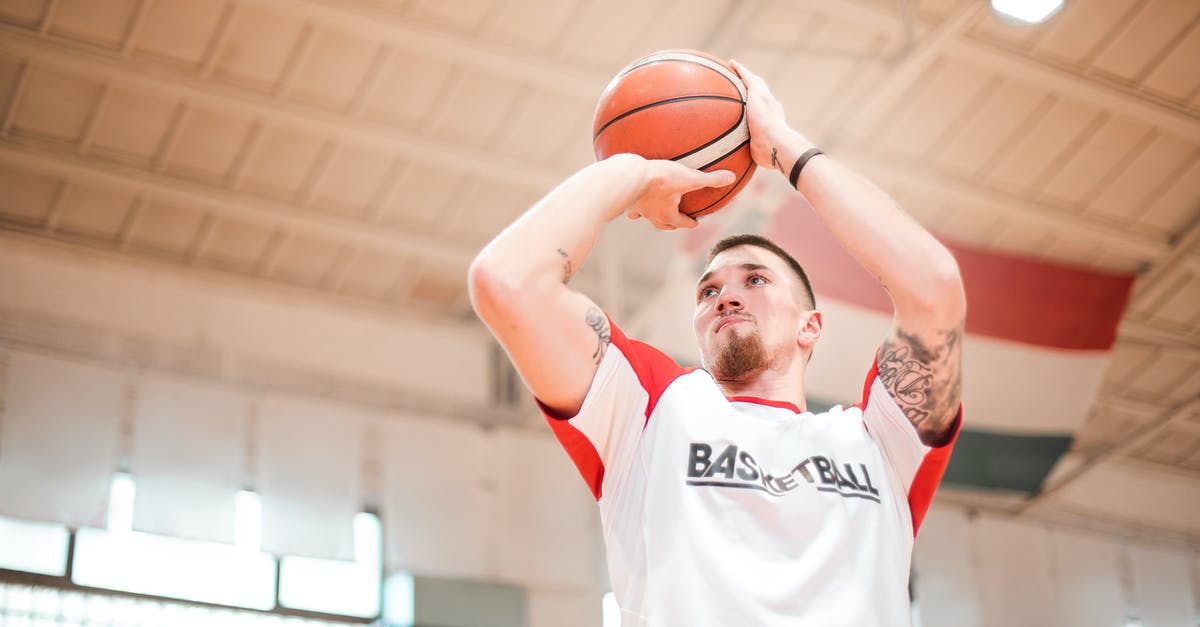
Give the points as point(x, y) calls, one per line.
point(682, 105)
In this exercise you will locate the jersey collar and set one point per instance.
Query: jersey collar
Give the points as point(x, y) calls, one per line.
point(765, 401)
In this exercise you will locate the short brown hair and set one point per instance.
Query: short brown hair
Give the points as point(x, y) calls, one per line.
point(751, 239)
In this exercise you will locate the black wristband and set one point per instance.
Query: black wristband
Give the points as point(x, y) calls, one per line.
point(808, 154)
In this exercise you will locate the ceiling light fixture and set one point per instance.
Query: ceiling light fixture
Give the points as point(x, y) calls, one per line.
point(1027, 11)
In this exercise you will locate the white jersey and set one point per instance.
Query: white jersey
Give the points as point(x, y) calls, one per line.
point(744, 511)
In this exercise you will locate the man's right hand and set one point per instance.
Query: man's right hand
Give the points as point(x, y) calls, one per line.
point(663, 185)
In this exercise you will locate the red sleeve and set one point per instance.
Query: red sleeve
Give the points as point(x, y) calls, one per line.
point(928, 474)
point(592, 437)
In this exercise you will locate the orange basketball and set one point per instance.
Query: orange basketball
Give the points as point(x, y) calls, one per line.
point(682, 105)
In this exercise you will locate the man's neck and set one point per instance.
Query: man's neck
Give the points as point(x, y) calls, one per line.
point(785, 384)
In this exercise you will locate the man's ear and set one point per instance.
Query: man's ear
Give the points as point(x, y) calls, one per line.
point(810, 328)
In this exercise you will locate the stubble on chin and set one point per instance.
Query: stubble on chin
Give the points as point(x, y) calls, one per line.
point(740, 356)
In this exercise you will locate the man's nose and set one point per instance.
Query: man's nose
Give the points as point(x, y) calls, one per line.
point(728, 300)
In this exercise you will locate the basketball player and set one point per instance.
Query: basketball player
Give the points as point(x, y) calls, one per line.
point(723, 501)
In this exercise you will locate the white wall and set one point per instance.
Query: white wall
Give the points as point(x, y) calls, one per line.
point(202, 384)
point(457, 499)
point(982, 570)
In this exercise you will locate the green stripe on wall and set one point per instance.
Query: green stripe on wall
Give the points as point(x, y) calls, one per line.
point(991, 460)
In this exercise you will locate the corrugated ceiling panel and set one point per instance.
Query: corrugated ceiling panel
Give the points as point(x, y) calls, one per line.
point(463, 15)
point(10, 75)
point(207, 145)
point(410, 87)
point(258, 47)
point(939, 99)
point(305, 258)
point(683, 23)
point(1181, 303)
point(1143, 39)
point(778, 24)
point(1127, 195)
point(1128, 359)
point(1094, 162)
point(1081, 28)
point(421, 197)
point(1020, 236)
point(1107, 428)
point(475, 107)
point(836, 55)
point(1175, 76)
point(605, 34)
point(373, 273)
point(104, 23)
point(26, 197)
point(530, 24)
point(1167, 374)
point(1154, 378)
point(23, 12)
point(431, 286)
point(990, 129)
point(541, 125)
point(56, 105)
point(936, 8)
point(1119, 260)
point(282, 160)
point(166, 227)
point(1175, 206)
point(237, 244)
point(351, 178)
point(485, 209)
point(94, 211)
point(132, 125)
point(1043, 144)
point(1066, 248)
point(181, 30)
point(333, 66)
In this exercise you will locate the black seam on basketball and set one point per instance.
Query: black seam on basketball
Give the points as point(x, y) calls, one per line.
point(665, 102)
point(703, 65)
point(731, 151)
point(718, 138)
point(731, 187)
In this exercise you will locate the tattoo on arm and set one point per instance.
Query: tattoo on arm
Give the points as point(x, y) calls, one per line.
point(566, 266)
point(599, 323)
point(924, 379)
point(775, 159)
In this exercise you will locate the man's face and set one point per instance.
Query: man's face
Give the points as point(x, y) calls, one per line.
point(747, 312)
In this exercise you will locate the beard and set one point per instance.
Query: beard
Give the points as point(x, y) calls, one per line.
point(740, 356)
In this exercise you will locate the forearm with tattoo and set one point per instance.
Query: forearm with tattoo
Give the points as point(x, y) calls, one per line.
point(924, 378)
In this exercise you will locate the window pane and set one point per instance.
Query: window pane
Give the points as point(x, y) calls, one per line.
point(33, 546)
point(184, 569)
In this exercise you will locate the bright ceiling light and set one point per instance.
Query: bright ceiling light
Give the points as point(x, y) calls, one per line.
point(1028, 11)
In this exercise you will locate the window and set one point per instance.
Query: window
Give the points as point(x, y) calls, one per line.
point(33, 547)
point(348, 588)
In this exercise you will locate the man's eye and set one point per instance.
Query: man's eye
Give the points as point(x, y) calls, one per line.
point(757, 280)
point(708, 292)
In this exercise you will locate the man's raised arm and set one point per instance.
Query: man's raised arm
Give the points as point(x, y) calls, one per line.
point(920, 360)
point(554, 335)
